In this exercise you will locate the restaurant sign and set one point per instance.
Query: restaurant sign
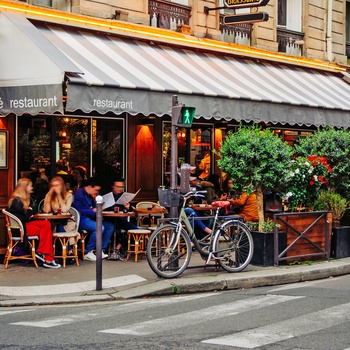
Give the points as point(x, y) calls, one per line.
point(245, 3)
point(31, 99)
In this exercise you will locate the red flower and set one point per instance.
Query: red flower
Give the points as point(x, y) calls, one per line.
point(311, 183)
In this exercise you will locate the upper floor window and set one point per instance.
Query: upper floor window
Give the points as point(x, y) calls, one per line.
point(289, 27)
point(289, 14)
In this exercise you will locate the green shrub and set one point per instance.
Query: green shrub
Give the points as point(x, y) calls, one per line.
point(332, 201)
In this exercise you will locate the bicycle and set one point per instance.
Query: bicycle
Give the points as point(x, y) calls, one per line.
point(169, 247)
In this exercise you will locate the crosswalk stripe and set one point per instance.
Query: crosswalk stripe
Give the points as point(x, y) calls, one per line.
point(59, 289)
point(3, 313)
point(198, 316)
point(287, 329)
point(111, 311)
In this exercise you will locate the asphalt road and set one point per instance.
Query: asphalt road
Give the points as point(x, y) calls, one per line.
point(308, 315)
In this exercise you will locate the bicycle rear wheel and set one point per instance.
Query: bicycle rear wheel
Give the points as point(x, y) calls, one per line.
point(168, 253)
point(233, 246)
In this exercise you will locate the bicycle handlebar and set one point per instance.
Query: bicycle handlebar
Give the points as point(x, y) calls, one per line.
point(194, 193)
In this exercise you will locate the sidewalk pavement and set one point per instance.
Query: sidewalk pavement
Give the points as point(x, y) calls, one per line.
point(23, 285)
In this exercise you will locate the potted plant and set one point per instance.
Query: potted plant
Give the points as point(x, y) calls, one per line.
point(334, 145)
point(256, 160)
point(264, 242)
point(334, 202)
point(305, 179)
point(340, 241)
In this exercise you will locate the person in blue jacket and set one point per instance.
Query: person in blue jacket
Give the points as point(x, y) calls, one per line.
point(85, 203)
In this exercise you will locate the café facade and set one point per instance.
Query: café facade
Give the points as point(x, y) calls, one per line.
point(98, 93)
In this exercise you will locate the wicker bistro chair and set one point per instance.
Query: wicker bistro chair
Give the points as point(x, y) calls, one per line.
point(15, 233)
point(64, 237)
point(137, 242)
point(146, 220)
point(41, 206)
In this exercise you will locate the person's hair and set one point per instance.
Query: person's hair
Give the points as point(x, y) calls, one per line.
point(225, 184)
point(20, 193)
point(120, 179)
point(215, 180)
point(63, 187)
point(92, 181)
point(82, 171)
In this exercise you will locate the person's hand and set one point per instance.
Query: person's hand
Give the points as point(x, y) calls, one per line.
point(127, 205)
point(223, 197)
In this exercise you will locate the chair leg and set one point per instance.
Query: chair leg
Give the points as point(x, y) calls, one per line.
point(75, 251)
point(8, 255)
point(32, 248)
point(82, 243)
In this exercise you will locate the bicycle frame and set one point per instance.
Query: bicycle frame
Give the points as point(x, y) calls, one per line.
point(184, 220)
point(169, 247)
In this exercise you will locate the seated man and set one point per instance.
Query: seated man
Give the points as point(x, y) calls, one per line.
point(247, 206)
point(84, 202)
point(121, 223)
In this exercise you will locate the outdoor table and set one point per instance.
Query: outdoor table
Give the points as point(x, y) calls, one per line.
point(52, 217)
point(112, 214)
point(150, 211)
point(203, 207)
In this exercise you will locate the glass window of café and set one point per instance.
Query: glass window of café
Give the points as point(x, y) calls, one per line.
point(50, 145)
point(194, 148)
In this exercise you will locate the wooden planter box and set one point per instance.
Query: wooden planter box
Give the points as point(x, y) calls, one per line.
point(340, 243)
point(264, 247)
point(308, 235)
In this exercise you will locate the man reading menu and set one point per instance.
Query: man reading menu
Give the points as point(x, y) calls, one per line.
point(121, 223)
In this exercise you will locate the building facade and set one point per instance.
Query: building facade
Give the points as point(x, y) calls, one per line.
point(92, 84)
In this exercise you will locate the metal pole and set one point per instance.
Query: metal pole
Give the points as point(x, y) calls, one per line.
point(174, 156)
point(99, 202)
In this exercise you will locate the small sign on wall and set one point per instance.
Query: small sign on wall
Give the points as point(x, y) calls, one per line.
point(3, 149)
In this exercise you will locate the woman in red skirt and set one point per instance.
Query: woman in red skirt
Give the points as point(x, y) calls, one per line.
point(19, 205)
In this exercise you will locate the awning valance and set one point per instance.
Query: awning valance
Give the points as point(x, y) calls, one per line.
point(113, 74)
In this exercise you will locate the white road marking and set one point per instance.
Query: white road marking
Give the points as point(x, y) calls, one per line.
point(287, 329)
point(3, 313)
point(305, 284)
point(203, 315)
point(111, 311)
point(69, 287)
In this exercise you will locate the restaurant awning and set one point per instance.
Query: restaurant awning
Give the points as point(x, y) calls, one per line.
point(107, 73)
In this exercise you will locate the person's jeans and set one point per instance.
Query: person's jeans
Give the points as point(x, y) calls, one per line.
point(197, 223)
point(107, 232)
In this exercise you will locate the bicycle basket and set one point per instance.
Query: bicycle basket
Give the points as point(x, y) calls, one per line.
point(168, 197)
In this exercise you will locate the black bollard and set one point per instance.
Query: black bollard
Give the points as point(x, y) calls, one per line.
point(99, 202)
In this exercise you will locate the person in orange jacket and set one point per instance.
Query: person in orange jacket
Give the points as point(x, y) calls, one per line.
point(247, 205)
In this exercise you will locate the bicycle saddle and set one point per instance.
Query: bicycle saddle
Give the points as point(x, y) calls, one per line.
point(221, 204)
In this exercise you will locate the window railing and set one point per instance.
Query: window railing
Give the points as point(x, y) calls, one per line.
point(243, 29)
point(164, 14)
point(289, 41)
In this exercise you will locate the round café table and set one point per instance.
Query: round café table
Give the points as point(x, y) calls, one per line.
point(111, 214)
point(150, 211)
point(52, 217)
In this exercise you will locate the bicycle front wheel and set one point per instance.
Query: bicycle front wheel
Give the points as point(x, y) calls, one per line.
point(233, 246)
point(168, 251)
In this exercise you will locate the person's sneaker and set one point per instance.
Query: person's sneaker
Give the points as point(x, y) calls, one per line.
point(52, 265)
point(90, 256)
point(104, 255)
point(40, 257)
